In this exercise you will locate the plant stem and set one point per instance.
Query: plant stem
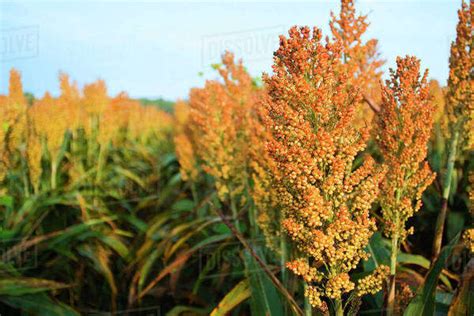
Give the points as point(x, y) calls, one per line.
point(438, 238)
point(24, 176)
point(338, 307)
point(253, 225)
point(194, 193)
point(100, 163)
point(235, 214)
point(393, 272)
point(393, 258)
point(54, 171)
point(307, 306)
point(284, 258)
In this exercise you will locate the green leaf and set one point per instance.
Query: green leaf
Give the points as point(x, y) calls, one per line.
point(101, 263)
point(455, 224)
point(132, 176)
point(424, 301)
point(407, 258)
point(6, 235)
point(116, 244)
point(76, 230)
point(237, 295)
point(221, 228)
point(379, 253)
point(187, 310)
point(147, 265)
point(137, 223)
point(23, 285)
point(39, 305)
point(183, 205)
point(6, 201)
point(28, 207)
point(265, 299)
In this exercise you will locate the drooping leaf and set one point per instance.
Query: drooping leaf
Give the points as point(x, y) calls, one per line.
point(237, 295)
point(424, 301)
point(23, 285)
point(116, 244)
point(408, 258)
point(39, 304)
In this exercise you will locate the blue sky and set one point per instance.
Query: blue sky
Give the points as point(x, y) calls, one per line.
point(159, 49)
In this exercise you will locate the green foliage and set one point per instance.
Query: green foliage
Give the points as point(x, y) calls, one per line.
point(161, 103)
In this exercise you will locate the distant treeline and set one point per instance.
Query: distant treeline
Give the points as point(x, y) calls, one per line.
point(163, 104)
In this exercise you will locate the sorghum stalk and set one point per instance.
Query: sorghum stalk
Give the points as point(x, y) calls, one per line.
point(338, 308)
point(404, 127)
point(184, 146)
point(219, 134)
point(44, 112)
point(307, 305)
point(100, 162)
point(24, 176)
point(392, 282)
point(325, 202)
point(283, 258)
point(13, 121)
point(194, 193)
point(459, 105)
point(54, 171)
point(439, 230)
point(360, 58)
point(393, 265)
point(264, 193)
point(235, 212)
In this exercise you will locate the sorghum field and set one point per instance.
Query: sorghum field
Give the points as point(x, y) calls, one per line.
point(321, 189)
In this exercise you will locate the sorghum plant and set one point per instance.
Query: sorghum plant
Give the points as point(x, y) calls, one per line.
point(43, 113)
point(33, 153)
point(264, 193)
point(360, 59)
point(438, 98)
point(460, 102)
point(13, 109)
point(219, 117)
point(325, 198)
point(404, 126)
point(184, 143)
point(70, 98)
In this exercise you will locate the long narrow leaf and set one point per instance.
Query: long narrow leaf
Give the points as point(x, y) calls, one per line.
point(424, 302)
point(237, 295)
